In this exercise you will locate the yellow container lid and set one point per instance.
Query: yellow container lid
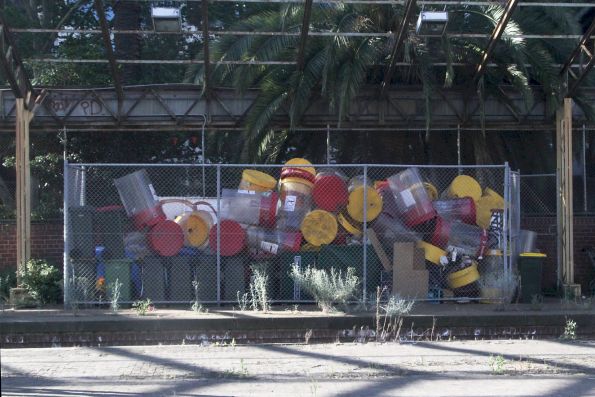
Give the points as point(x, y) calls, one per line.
point(347, 225)
point(533, 255)
point(293, 179)
point(463, 277)
point(432, 253)
point(465, 186)
point(319, 227)
point(431, 190)
point(259, 178)
point(355, 206)
point(484, 206)
point(196, 228)
point(301, 161)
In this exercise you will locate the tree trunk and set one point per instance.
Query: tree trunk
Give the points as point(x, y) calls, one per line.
point(127, 16)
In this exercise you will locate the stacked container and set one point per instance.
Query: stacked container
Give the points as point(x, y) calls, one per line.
point(411, 197)
point(295, 194)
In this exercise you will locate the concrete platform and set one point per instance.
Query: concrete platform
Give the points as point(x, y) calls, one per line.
point(96, 327)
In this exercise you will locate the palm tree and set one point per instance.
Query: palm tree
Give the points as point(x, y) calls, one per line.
point(337, 67)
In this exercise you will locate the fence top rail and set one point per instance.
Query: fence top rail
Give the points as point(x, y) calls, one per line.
point(332, 165)
point(536, 175)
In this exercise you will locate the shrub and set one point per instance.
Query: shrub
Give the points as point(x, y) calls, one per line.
point(329, 288)
point(42, 281)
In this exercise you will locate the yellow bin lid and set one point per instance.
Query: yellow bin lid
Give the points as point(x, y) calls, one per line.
point(533, 255)
point(465, 186)
point(301, 161)
point(463, 277)
point(347, 225)
point(432, 253)
point(259, 178)
point(319, 227)
point(355, 206)
point(484, 206)
point(431, 190)
point(195, 227)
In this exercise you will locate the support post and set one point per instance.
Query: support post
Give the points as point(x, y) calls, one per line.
point(564, 197)
point(23, 119)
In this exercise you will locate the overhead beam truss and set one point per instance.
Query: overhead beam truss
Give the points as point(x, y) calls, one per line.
point(581, 53)
point(180, 107)
point(494, 39)
point(99, 7)
point(396, 47)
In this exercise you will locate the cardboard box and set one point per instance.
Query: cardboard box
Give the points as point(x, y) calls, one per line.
point(408, 280)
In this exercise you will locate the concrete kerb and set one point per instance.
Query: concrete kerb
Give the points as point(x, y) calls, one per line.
point(62, 327)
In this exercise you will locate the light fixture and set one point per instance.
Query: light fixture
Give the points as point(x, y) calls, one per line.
point(431, 23)
point(166, 19)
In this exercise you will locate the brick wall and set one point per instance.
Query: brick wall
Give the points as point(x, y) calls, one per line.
point(46, 242)
point(584, 236)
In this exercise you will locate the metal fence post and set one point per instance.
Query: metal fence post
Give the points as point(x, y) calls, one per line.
point(506, 222)
point(365, 236)
point(218, 233)
point(66, 193)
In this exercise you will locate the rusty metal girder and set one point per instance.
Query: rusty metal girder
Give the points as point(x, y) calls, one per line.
point(494, 39)
point(584, 68)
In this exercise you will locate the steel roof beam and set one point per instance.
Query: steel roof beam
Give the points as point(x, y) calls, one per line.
point(14, 70)
point(304, 34)
point(396, 47)
point(494, 39)
point(205, 45)
point(583, 49)
point(107, 41)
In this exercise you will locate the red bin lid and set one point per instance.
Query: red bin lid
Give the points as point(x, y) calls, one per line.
point(166, 238)
point(330, 193)
point(233, 237)
point(297, 173)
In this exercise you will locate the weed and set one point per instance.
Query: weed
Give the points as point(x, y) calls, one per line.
point(391, 315)
point(243, 301)
point(115, 290)
point(327, 287)
point(497, 363)
point(258, 288)
point(143, 306)
point(197, 307)
point(569, 330)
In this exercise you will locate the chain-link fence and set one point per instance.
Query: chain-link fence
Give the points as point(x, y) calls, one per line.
point(183, 233)
point(539, 222)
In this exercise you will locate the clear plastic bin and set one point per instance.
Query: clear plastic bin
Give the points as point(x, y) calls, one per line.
point(295, 202)
point(139, 199)
point(411, 197)
point(272, 241)
point(461, 209)
point(467, 239)
point(249, 207)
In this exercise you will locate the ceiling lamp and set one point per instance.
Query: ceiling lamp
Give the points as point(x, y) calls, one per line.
point(166, 19)
point(431, 23)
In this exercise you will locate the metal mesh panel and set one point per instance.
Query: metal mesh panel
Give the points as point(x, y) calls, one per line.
point(176, 233)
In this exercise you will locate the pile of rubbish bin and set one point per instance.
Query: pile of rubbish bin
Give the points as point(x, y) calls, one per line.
point(458, 232)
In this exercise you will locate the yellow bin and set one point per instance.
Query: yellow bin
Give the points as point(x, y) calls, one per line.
point(300, 161)
point(355, 206)
point(196, 226)
point(432, 253)
point(463, 277)
point(464, 186)
point(319, 227)
point(257, 181)
point(484, 206)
